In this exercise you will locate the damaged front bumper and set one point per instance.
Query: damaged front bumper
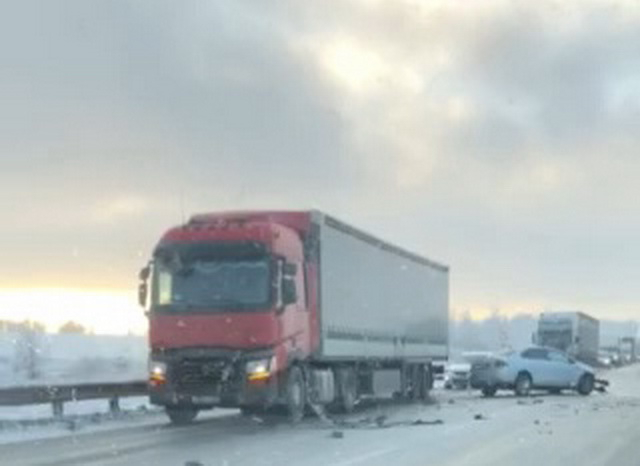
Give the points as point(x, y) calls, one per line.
point(207, 379)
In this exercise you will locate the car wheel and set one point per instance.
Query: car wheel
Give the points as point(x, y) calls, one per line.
point(181, 416)
point(586, 384)
point(296, 394)
point(489, 391)
point(555, 391)
point(523, 384)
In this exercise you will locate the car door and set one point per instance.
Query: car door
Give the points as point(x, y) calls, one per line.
point(560, 370)
point(536, 362)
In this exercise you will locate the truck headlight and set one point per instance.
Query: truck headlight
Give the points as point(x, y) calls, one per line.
point(260, 369)
point(157, 372)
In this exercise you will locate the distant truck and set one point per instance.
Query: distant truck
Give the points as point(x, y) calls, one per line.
point(293, 309)
point(628, 349)
point(575, 333)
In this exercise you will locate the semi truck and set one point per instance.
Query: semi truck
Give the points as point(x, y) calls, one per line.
point(573, 332)
point(287, 309)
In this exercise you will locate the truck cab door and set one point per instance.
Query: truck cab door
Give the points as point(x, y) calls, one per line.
point(293, 318)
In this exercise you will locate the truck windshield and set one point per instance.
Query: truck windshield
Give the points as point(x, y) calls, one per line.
point(560, 339)
point(213, 285)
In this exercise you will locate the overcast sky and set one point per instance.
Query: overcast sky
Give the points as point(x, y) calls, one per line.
point(500, 138)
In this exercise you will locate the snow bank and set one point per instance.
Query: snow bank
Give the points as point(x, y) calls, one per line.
point(36, 358)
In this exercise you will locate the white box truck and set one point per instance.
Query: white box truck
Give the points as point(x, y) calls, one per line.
point(574, 332)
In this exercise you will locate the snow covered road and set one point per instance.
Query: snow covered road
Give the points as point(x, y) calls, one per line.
point(460, 428)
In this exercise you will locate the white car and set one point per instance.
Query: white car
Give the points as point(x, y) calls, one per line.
point(533, 368)
point(457, 376)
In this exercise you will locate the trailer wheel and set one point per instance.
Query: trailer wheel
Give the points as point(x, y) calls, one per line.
point(181, 416)
point(296, 394)
point(421, 382)
point(347, 383)
point(427, 381)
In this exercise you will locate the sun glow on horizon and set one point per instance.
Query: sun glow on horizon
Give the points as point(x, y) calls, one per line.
point(101, 311)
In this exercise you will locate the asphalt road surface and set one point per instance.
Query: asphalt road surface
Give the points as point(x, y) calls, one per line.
point(458, 428)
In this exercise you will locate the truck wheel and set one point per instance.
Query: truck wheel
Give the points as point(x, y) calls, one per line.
point(296, 394)
point(523, 384)
point(347, 383)
point(489, 391)
point(586, 384)
point(181, 416)
point(423, 382)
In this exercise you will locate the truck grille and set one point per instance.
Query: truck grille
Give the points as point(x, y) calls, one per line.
point(190, 374)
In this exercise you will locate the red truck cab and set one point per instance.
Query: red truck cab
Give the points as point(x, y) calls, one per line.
point(230, 307)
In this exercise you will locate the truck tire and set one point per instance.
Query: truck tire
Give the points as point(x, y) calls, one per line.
point(181, 416)
point(347, 384)
point(422, 382)
point(586, 384)
point(295, 394)
point(523, 383)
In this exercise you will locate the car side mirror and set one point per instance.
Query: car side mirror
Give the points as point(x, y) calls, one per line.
point(289, 294)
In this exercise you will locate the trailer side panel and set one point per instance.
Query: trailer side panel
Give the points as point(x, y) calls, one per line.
point(377, 300)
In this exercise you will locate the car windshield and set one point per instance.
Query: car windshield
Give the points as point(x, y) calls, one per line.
point(213, 285)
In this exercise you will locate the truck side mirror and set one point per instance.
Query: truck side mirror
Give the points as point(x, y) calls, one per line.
point(142, 294)
point(144, 273)
point(289, 269)
point(143, 287)
point(289, 294)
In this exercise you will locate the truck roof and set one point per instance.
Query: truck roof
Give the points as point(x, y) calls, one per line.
point(566, 315)
point(297, 220)
point(301, 221)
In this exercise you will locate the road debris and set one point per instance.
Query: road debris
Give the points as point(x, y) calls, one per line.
point(337, 434)
point(601, 385)
point(422, 422)
point(480, 417)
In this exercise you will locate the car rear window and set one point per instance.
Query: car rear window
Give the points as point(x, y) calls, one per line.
point(535, 353)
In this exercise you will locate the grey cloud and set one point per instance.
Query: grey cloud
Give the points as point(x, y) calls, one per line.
point(228, 104)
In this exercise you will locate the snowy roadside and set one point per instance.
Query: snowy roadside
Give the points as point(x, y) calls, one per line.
point(21, 423)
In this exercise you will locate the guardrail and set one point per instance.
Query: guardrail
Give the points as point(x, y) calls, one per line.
point(57, 395)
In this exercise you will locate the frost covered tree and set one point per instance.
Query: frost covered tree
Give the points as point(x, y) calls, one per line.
point(27, 358)
point(73, 327)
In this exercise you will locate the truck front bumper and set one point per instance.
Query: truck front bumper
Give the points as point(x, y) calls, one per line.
point(247, 393)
